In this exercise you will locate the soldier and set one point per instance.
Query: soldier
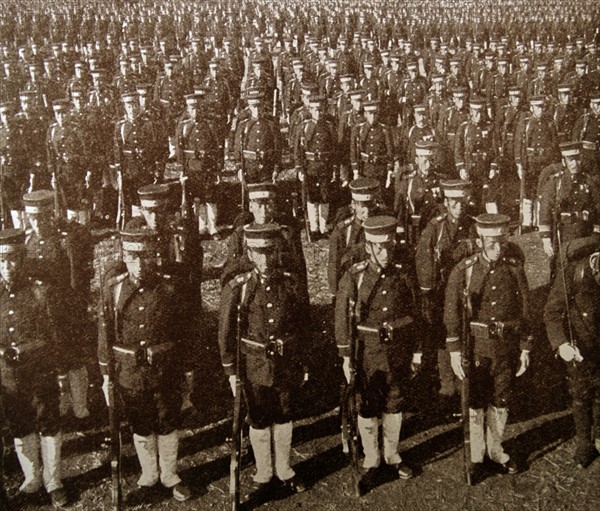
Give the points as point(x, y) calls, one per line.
point(348, 231)
point(262, 210)
point(315, 155)
point(372, 149)
point(492, 286)
point(587, 131)
point(273, 347)
point(135, 143)
point(150, 352)
point(347, 122)
point(413, 91)
point(506, 122)
point(420, 131)
point(565, 113)
point(169, 91)
point(448, 125)
point(574, 296)
point(475, 155)
point(568, 198)
point(497, 88)
point(536, 147)
point(382, 297)
point(32, 364)
point(418, 193)
point(446, 240)
point(257, 146)
point(62, 254)
point(66, 162)
point(199, 151)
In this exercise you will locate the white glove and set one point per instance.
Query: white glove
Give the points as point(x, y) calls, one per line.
point(547, 244)
point(355, 174)
point(345, 183)
point(520, 170)
point(346, 368)
point(232, 380)
point(568, 352)
point(388, 181)
point(240, 175)
point(464, 174)
point(301, 176)
point(415, 365)
point(524, 363)
point(456, 363)
point(105, 389)
point(274, 176)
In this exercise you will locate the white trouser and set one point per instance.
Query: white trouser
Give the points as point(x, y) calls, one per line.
point(282, 440)
point(211, 217)
point(392, 422)
point(146, 448)
point(369, 435)
point(168, 446)
point(312, 211)
point(527, 213)
point(260, 439)
point(486, 428)
point(37, 472)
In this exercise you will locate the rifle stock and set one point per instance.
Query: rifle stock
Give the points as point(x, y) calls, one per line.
point(236, 441)
point(351, 399)
point(115, 426)
point(120, 200)
point(305, 210)
point(465, 390)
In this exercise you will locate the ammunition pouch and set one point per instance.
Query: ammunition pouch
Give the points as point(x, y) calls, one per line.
point(574, 216)
point(388, 332)
point(20, 355)
point(494, 330)
point(589, 146)
point(154, 356)
point(372, 158)
point(258, 156)
point(415, 220)
point(317, 156)
point(535, 151)
point(264, 350)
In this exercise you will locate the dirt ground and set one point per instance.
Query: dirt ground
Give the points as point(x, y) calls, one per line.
point(539, 434)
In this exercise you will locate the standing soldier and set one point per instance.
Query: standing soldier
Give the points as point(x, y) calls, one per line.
point(418, 193)
point(413, 92)
point(199, 150)
point(448, 125)
point(348, 231)
point(315, 155)
point(536, 147)
point(380, 297)
point(149, 350)
point(565, 113)
point(168, 92)
point(445, 241)
point(492, 288)
point(372, 149)
point(257, 146)
point(587, 131)
point(569, 200)
point(31, 360)
point(571, 317)
point(347, 122)
point(475, 154)
point(265, 304)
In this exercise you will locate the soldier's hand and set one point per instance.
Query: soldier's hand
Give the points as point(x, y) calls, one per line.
point(345, 183)
point(232, 381)
point(346, 368)
point(464, 174)
point(388, 181)
point(569, 352)
point(415, 365)
point(241, 175)
point(105, 389)
point(548, 249)
point(274, 176)
point(520, 170)
point(456, 363)
point(63, 384)
point(524, 363)
point(88, 179)
point(493, 171)
point(301, 176)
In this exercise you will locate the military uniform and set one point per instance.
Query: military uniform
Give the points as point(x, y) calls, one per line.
point(444, 242)
point(273, 348)
point(257, 146)
point(385, 303)
point(587, 131)
point(315, 157)
point(199, 150)
point(579, 285)
point(143, 332)
point(32, 357)
point(447, 126)
point(497, 300)
point(347, 122)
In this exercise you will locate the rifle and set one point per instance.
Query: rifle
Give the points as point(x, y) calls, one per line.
point(115, 424)
point(121, 199)
point(57, 208)
point(236, 441)
point(572, 341)
point(465, 394)
point(3, 219)
point(305, 210)
point(3, 497)
point(352, 412)
point(521, 199)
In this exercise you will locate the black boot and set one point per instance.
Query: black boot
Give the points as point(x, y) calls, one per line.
point(585, 452)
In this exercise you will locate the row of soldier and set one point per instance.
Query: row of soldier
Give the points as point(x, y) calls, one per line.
point(264, 260)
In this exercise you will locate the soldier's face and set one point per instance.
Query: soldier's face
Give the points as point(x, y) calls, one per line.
point(537, 111)
point(419, 118)
point(4, 117)
point(154, 217)
point(475, 115)
point(362, 209)
point(130, 108)
point(370, 116)
point(262, 210)
point(455, 207)
point(315, 112)
point(564, 98)
point(265, 260)
point(10, 264)
point(192, 110)
point(139, 264)
point(423, 163)
point(356, 104)
point(459, 102)
point(595, 106)
point(380, 253)
point(595, 266)
point(492, 246)
point(572, 163)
